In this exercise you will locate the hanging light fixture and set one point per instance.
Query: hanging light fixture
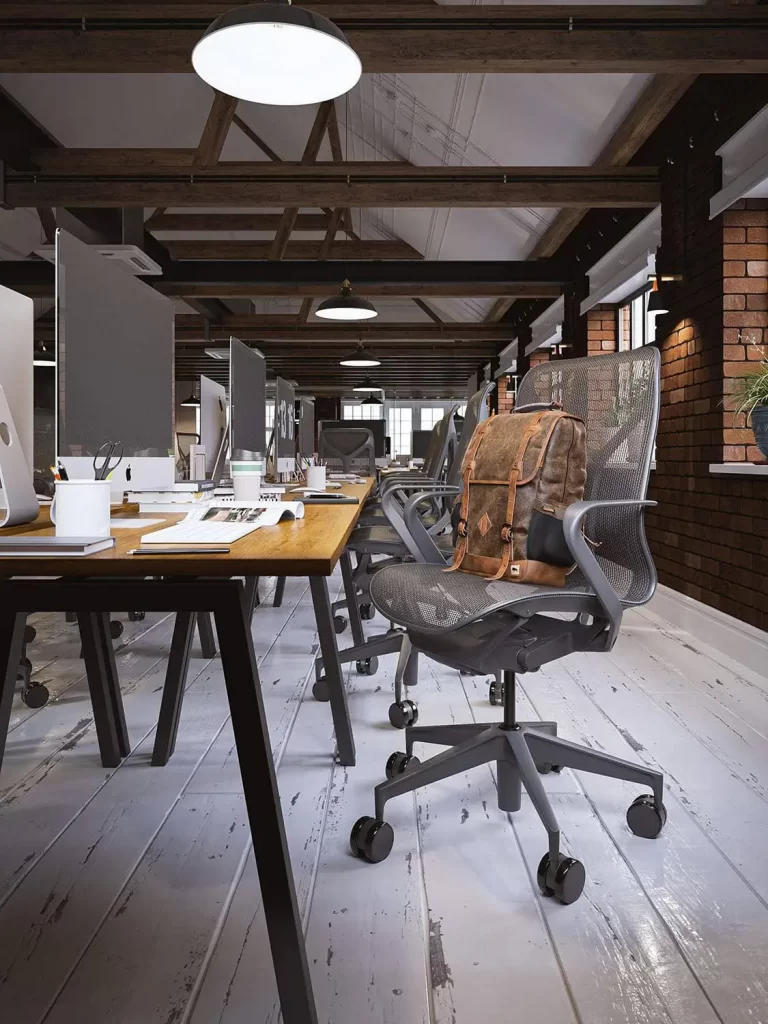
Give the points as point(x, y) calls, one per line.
point(192, 402)
point(42, 357)
point(371, 400)
point(274, 53)
point(360, 357)
point(656, 304)
point(367, 386)
point(346, 306)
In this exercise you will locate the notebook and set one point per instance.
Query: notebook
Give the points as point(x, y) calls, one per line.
point(69, 546)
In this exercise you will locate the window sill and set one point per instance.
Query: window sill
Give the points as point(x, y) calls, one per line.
point(738, 469)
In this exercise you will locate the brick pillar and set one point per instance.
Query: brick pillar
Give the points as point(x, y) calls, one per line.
point(541, 355)
point(745, 316)
point(602, 334)
point(505, 395)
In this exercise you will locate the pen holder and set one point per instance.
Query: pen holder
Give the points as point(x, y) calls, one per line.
point(80, 508)
point(246, 478)
point(316, 478)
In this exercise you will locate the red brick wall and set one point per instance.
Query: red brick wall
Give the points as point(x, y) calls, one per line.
point(601, 330)
point(745, 315)
point(505, 397)
point(541, 355)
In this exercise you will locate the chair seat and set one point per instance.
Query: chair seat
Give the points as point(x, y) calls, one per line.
point(427, 599)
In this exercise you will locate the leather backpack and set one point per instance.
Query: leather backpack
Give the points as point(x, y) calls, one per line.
point(520, 473)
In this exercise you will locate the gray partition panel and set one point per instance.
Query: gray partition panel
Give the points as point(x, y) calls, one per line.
point(115, 338)
point(285, 424)
point(306, 427)
point(247, 396)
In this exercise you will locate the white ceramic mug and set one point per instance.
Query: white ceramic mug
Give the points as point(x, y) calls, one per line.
point(80, 508)
point(316, 478)
point(246, 478)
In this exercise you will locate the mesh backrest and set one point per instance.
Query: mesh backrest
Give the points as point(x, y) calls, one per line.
point(477, 411)
point(347, 450)
point(442, 445)
point(617, 396)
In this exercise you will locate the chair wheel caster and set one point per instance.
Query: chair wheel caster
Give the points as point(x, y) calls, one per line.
point(496, 693)
point(29, 634)
point(136, 616)
point(368, 667)
point(371, 839)
point(546, 768)
point(367, 611)
point(399, 763)
point(566, 882)
point(644, 818)
point(339, 623)
point(27, 664)
point(35, 695)
point(320, 690)
point(403, 714)
point(115, 629)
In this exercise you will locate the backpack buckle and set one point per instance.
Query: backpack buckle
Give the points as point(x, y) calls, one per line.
point(462, 528)
point(506, 533)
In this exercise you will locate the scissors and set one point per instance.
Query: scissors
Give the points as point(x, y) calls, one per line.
point(103, 457)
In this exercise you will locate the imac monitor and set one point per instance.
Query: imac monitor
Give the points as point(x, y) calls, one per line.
point(247, 397)
point(213, 420)
point(306, 427)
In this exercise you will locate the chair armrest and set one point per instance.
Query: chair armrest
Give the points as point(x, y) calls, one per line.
point(584, 556)
point(407, 523)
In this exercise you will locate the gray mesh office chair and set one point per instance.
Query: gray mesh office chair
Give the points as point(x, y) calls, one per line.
point(468, 622)
point(347, 450)
point(410, 532)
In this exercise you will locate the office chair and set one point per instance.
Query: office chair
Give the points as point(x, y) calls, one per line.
point(466, 621)
point(347, 450)
point(33, 693)
point(410, 533)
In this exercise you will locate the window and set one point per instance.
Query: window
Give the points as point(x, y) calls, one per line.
point(356, 411)
point(430, 415)
point(637, 327)
point(400, 429)
point(269, 420)
point(462, 410)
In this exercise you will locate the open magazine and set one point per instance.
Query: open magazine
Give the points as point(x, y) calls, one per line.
point(225, 523)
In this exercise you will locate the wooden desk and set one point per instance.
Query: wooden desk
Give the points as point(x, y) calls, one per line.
point(191, 584)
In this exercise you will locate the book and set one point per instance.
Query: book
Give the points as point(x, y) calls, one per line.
point(225, 523)
point(69, 546)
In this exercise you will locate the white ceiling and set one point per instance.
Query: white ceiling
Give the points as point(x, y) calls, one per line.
point(533, 120)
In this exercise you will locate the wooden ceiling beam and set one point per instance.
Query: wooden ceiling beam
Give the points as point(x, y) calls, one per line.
point(415, 39)
point(216, 129)
point(197, 222)
point(192, 327)
point(333, 185)
point(319, 250)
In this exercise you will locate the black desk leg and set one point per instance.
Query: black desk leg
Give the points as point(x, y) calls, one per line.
point(262, 800)
point(251, 593)
point(353, 608)
point(332, 669)
point(207, 638)
point(173, 690)
point(11, 642)
point(104, 687)
point(279, 591)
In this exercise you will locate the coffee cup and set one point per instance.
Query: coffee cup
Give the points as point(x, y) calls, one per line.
point(80, 508)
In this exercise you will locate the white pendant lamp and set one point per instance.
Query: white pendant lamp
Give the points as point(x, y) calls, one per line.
point(360, 357)
point(346, 306)
point(274, 53)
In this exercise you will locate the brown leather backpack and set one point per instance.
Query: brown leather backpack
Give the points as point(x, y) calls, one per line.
point(520, 473)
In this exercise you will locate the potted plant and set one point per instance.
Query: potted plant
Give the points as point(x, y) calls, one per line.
point(752, 397)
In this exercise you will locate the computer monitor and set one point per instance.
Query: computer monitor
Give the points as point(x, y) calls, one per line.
point(421, 439)
point(247, 397)
point(306, 427)
point(285, 427)
point(214, 416)
point(377, 428)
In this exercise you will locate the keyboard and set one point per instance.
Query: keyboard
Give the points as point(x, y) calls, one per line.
point(200, 533)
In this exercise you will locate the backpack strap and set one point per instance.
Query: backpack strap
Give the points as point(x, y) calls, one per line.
point(469, 468)
point(514, 477)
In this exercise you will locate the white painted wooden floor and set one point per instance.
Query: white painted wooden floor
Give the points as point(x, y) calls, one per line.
point(129, 896)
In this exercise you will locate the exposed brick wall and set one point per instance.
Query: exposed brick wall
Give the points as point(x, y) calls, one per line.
point(541, 355)
point(505, 395)
point(745, 315)
point(601, 330)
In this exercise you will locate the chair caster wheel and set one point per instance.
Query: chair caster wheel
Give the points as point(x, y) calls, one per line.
point(27, 664)
point(546, 768)
point(35, 695)
point(403, 714)
point(136, 616)
point(371, 839)
point(29, 634)
point(496, 693)
point(115, 629)
point(339, 623)
point(367, 611)
point(368, 667)
point(644, 818)
point(566, 882)
point(320, 690)
point(400, 763)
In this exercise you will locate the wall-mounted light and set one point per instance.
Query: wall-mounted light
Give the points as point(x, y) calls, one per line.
point(656, 304)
